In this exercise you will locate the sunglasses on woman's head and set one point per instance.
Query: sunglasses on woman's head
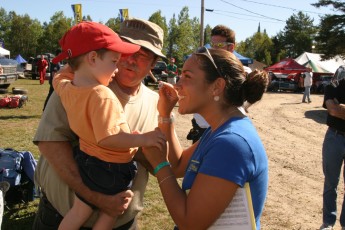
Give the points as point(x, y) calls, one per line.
point(204, 51)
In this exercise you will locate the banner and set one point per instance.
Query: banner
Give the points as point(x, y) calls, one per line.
point(123, 14)
point(77, 13)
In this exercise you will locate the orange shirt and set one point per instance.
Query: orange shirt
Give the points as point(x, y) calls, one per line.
point(94, 113)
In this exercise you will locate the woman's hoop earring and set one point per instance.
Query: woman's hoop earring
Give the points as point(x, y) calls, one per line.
point(216, 98)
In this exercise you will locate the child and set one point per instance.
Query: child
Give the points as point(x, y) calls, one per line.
point(95, 114)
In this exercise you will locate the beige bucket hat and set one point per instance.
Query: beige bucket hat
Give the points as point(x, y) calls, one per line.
point(144, 33)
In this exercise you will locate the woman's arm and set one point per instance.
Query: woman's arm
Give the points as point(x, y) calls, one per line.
point(206, 201)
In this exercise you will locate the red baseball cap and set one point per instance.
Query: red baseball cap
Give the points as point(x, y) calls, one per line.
point(88, 36)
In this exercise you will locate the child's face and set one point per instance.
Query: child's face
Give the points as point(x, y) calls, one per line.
point(106, 67)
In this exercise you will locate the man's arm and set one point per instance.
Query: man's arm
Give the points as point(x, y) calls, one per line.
point(61, 159)
point(335, 109)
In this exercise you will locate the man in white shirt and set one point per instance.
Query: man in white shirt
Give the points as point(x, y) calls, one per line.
point(308, 81)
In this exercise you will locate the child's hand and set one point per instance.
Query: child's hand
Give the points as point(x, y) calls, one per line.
point(155, 139)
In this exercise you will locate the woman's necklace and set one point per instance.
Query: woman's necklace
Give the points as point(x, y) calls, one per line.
point(227, 116)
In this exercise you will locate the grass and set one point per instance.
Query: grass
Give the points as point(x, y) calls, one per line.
point(18, 126)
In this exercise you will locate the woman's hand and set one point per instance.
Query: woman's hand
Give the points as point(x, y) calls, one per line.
point(154, 155)
point(167, 99)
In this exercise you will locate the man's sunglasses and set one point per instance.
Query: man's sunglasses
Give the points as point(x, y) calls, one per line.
point(220, 44)
point(204, 51)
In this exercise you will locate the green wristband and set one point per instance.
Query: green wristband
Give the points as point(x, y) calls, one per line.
point(161, 165)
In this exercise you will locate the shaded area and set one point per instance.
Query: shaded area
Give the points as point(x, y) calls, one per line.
point(319, 115)
point(19, 117)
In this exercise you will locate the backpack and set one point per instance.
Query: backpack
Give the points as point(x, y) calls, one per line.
point(16, 101)
point(15, 169)
point(11, 166)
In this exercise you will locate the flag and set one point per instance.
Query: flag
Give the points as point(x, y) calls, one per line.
point(77, 13)
point(123, 14)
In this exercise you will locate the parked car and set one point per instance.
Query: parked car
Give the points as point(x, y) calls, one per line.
point(158, 71)
point(288, 82)
point(320, 81)
point(9, 74)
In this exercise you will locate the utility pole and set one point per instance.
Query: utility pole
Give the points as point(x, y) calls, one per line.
point(202, 24)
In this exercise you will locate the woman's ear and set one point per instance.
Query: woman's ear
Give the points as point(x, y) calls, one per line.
point(218, 86)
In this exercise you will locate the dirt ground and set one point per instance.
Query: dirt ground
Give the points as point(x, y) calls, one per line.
point(292, 133)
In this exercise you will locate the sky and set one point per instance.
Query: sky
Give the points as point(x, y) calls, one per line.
point(243, 16)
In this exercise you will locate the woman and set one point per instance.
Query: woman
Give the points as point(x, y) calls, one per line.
point(230, 152)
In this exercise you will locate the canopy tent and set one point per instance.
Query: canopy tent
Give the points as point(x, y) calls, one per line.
point(244, 60)
point(313, 61)
point(20, 59)
point(4, 52)
point(287, 66)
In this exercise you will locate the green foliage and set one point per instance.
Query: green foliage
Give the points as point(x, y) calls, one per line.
point(53, 32)
point(257, 47)
point(331, 35)
point(114, 24)
point(299, 33)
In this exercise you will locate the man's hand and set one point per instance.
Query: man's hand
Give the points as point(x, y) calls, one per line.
point(114, 205)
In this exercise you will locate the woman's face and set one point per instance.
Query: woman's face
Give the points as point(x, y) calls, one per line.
point(193, 90)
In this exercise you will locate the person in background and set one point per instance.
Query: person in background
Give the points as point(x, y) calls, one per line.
point(199, 126)
point(308, 82)
point(172, 71)
point(42, 66)
point(54, 68)
point(333, 150)
point(229, 155)
point(57, 173)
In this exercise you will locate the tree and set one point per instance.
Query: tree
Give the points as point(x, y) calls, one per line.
point(185, 40)
point(53, 32)
point(257, 47)
point(172, 36)
point(207, 34)
point(298, 34)
point(23, 35)
point(114, 24)
point(331, 34)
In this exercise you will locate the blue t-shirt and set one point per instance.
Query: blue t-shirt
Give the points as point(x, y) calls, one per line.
point(233, 152)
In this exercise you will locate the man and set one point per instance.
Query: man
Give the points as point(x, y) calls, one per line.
point(42, 66)
point(172, 71)
point(54, 68)
point(223, 37)
point(59, 178)
point(333, 149)
point(308, 81)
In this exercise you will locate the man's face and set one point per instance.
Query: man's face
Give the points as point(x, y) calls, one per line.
point(133, 69)
point(219, 42)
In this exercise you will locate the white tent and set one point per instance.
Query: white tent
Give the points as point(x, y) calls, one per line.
point(313, 61)
point(4, 52)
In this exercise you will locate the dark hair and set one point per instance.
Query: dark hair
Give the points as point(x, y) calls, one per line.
point(75, 62)
point(224, 31)
point(240, 87)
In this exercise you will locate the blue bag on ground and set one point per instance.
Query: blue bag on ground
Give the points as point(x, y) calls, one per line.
point(17, 168)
